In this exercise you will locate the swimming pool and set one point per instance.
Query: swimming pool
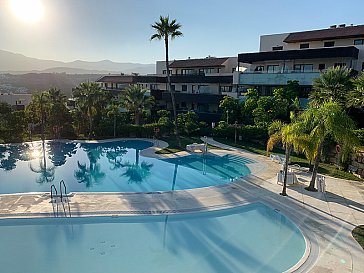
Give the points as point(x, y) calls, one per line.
point(110, 167)
point(251, 238)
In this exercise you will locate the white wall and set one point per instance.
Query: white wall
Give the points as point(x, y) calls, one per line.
point(269, 41)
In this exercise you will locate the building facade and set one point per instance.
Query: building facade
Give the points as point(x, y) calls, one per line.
point(198, 84)
point(301, 56)
point(18, 101)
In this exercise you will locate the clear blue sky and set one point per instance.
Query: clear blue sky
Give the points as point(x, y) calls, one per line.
point(119, 30)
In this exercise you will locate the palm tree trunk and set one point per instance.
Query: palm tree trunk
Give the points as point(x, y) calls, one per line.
point(114, 126)
point(137, 117)
point(288, 153)
point(172, 95)
point(311, 187)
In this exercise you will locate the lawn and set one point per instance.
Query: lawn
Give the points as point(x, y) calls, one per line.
point(324, 168)
point(358, 234)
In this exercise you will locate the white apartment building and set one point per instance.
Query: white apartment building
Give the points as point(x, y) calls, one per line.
point(18, 101)
point(301, 56)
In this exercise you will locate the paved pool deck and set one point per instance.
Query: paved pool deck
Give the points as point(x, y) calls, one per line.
point(326, 219)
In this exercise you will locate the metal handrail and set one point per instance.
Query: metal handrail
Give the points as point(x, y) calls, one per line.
point(53, 197)
point(61, 183)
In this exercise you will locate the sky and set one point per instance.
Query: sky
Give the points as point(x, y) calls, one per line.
point(119, 30)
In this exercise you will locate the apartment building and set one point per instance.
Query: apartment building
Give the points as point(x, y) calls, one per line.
point(301, 56)
point(18, 101)
point(198, 84)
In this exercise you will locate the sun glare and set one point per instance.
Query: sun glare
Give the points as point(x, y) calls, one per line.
point(28, 11)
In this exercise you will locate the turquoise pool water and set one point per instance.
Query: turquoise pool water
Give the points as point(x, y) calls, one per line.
point(252, 238)
point(109, 167)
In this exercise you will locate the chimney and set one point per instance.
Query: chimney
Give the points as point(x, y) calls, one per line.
point(342, 25)
point(333, 26)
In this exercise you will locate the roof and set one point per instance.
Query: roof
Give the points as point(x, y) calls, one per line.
point(207, 62)
point(326, 34)
point(301, 54)
point(117, 79)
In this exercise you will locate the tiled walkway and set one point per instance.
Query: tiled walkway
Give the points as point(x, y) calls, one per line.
point(326, 219)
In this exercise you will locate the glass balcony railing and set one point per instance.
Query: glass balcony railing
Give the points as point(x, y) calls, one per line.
point(264, 78)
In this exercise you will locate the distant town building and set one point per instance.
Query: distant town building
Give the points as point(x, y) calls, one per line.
point(198, 84)
point(301, 56)
point(18, 101)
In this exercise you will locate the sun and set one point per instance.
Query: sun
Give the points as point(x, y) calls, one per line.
point(28, 11)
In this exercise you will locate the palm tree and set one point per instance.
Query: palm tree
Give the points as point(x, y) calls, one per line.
point(288, 135)
point(166, 29)
point(327, 119)
point(356, 96)
point(37, 109)
point(88, 97)
point(334, 85)
point(57, 109)
point(113, 111)
point(135, 100)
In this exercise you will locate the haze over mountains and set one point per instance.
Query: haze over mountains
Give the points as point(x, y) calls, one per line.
point(18, 63)
point(21, 74)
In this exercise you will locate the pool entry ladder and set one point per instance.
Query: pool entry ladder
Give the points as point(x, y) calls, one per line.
point(62, 198)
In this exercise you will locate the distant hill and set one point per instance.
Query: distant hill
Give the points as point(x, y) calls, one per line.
point(31, 82)
point(18, 63)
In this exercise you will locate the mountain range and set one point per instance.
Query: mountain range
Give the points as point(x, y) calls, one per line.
point(19, 64)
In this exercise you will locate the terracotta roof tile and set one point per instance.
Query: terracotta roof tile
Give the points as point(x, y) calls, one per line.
point(207, 62)
point(326, 34)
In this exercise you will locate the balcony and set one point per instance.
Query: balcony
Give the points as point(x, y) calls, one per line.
point(305, 78)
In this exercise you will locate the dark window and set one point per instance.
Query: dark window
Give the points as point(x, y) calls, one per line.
point(259, 68)
point(173, 87)
point(340, 65)
point(303, 67)
point(362, 66)
point(321, 66)
point(277, 48)
point(359, 42)
point(183, 104)
point(306, 45)
point(272, 68)
point(226, 88)
point(329, 44)
point(165, 71)
point(184, 87)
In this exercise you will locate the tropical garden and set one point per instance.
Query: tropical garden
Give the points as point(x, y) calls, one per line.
point(306, 133)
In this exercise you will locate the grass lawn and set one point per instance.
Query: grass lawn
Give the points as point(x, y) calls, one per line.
point(324, 168)
point(358, 234)
point(173, 147)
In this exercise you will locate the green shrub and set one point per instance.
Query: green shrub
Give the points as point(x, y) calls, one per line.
point(360, 134)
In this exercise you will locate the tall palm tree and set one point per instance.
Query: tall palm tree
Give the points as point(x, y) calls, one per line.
point(165, 30)
point(328, 119)
point(356, 95)
point(57, 109)
point(88, 96)
point(288, 135)
point(332, 85)
point(36, 111)
point(135, 100)
point(113, 111)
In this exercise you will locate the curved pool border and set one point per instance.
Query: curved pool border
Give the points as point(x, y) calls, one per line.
point(307, 260)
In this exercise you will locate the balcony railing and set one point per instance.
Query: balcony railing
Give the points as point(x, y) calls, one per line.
point(264, 78)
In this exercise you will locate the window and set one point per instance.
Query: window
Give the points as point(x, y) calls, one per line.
point(184, 87)
point(226, 88)
point(306, 45)
point(188, 72)
point(303, 68)
point(329, 44)
point(259, 68)
point(173, 87)
point(154, 87)
point(274, 48)
point(362, 66)
point(194, 88)
point(340, 65)
point(321, 66)
point(273, 68)
point(359, 42)
point(165, 71)
point(183, 104)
